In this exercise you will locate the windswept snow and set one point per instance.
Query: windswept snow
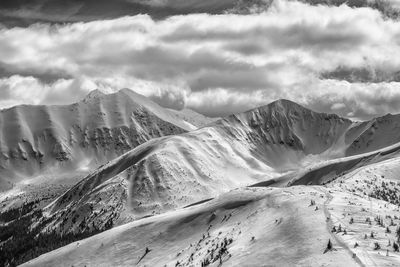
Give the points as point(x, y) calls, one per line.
point(260, 227)
point(330, 170)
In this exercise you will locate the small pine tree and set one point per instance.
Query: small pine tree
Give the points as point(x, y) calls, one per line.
point(398, 234)
point(329, 246)
point(395, 247)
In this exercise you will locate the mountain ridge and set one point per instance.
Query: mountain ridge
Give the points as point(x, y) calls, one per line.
point(280, 144)
point(100, 127)
point(241, 149)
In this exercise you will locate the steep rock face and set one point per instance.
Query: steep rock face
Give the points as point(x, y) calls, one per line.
point(285, 132)
point(375, 134)
point(83, 135)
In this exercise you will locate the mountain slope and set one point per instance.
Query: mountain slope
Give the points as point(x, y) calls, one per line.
point(239, 150)
point(270, 144)
point(256, 226)
point(242, 149)
point(330, 170)
point(38, 139)
point(284, 126)
point(375, 134)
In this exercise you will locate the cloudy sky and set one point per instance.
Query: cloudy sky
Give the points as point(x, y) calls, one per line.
point(216, 57)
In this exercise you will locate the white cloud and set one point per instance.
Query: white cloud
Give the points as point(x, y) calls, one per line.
point(29, 90)
point(217, 64)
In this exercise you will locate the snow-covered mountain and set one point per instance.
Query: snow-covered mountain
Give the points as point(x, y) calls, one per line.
point(242, 149)
point(375, 134)
point(171, 166)
point(39, 140)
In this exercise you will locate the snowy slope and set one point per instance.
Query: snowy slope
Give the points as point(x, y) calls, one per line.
point(239, 150)
point(39, 139)
point(261, 226)
point(258, 227)
point(375, 134)
point(192, 118)
point(161, 175)
point(330, 170)
point(286, 132)
point(279, 144)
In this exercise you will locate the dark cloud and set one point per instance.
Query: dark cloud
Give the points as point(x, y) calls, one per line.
point(334, 36)
point(203, 69)
point(27, 12)
point(248, 80)
point(43, 75)
point(362, 75)
point(246, 48)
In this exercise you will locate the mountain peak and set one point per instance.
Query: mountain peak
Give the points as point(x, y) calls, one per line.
point(130, 92)
point(285, 103)
point(94, 94)
point(138, 98)
point(288, 106)
point(282, 106)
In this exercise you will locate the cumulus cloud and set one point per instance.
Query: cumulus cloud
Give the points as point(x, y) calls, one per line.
point(356, 100)
point(330, 58)
point(29, 90)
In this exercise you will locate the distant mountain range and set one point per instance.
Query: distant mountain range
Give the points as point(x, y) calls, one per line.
point(120, 157)
point(183, 167)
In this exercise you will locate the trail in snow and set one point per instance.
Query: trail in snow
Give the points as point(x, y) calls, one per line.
point(329, 226)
